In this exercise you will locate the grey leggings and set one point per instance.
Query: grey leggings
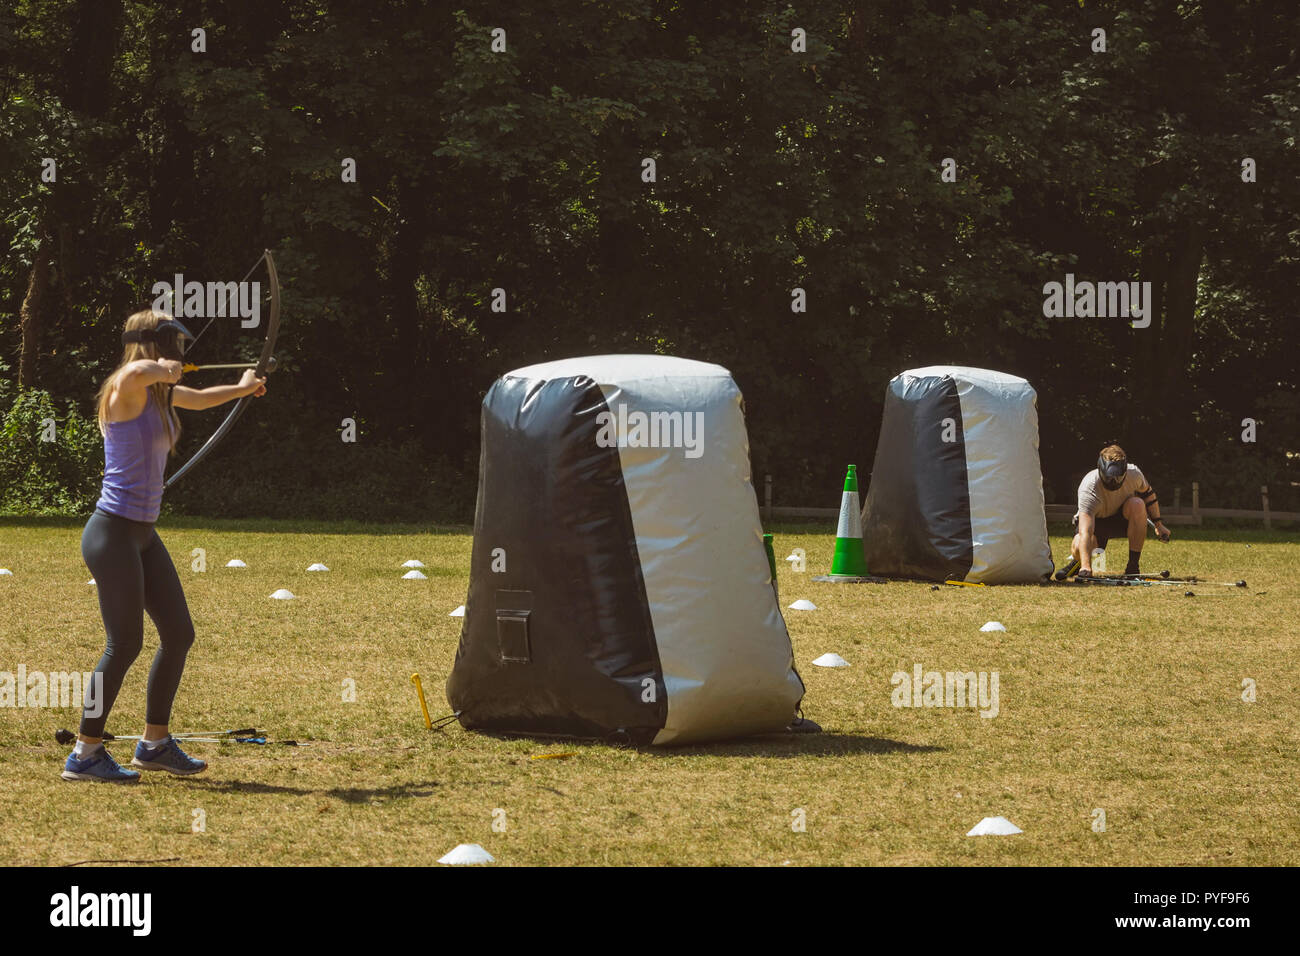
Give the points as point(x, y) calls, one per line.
point(134, 574)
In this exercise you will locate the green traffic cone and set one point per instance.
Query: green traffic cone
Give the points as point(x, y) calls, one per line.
point(850, 557)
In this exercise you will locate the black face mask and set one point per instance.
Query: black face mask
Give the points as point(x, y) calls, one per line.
point(1112, 473)
point(170, 336)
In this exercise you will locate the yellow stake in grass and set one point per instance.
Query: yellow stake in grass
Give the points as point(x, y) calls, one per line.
point(419, 689)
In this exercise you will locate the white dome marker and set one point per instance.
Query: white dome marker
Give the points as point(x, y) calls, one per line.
point(414, 575)
point(6, 573)
point(419, 564)
point(459, 612)
point(284, 594)
point(994, 826)
point(831, 660)
point(318, 567)
point(803, 605)
point(994, 626)
point(467, 854)
point(235, 563)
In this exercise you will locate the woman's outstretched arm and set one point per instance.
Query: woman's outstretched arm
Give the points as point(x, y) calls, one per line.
point(197, 399)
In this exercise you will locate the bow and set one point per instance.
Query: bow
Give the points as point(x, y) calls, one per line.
point(265, 364)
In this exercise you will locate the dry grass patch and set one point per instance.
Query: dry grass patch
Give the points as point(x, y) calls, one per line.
point(1127, 700)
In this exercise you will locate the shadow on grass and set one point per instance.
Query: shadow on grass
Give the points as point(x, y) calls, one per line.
point(357, 795)
point(766, 745)
point(795, 745)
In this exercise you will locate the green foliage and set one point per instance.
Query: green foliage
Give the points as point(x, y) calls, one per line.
point(329, 481)
point(51, 459)
point(522, 171)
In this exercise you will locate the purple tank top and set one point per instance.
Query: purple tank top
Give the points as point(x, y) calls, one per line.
point(135, 456)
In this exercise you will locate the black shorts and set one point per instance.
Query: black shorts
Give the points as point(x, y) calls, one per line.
point(1116, 526)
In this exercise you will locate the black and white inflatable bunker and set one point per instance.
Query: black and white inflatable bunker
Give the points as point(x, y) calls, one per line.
point(619, 584)
point(956, 488)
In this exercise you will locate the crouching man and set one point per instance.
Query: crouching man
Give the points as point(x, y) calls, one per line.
point(1114, 501)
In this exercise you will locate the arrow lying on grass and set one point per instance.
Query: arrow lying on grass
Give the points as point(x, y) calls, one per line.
point(245, 735)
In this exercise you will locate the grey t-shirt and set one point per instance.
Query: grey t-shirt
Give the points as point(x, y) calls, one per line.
point(1100, 502)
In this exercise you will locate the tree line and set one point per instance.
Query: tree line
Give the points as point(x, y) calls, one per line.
point(453, 190)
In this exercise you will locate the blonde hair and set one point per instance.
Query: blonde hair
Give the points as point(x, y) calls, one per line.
point(1113, 453)
point(134, 352)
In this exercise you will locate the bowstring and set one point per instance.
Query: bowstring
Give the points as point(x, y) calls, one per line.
point(226, 301)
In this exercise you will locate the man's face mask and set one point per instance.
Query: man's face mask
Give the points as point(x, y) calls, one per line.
point(1112, 472)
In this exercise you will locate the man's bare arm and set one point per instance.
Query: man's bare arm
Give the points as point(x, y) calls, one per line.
point(1087, 540)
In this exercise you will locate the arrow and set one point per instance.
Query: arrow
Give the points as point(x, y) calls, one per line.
point(270, 366)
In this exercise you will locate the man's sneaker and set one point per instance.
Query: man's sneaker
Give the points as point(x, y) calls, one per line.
point(167, 757)
point(98, 767)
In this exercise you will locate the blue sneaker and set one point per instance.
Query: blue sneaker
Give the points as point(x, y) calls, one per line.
point(168, 757)
point(97, 767)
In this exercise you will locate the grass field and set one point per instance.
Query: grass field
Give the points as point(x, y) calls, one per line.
point(1127, 700)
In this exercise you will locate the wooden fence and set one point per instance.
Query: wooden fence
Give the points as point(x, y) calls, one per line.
point(1172, 515)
